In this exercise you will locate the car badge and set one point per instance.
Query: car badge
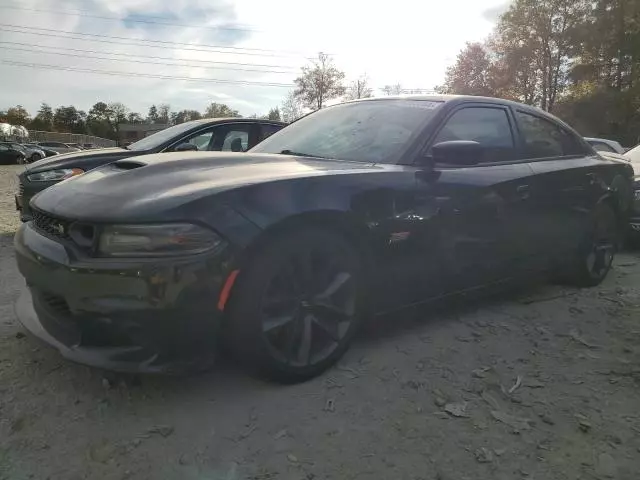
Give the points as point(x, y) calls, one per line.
point(58, 228)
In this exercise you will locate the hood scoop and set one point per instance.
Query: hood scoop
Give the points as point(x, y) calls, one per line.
point(128, 164)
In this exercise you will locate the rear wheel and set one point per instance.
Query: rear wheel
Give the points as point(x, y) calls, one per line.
point(297, 305)
point(595, 256)
point(35, 157)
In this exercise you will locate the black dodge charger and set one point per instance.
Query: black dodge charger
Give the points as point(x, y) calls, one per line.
point(211, 134)
point(357, 209)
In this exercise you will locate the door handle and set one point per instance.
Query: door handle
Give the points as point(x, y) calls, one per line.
point(523, 192)
point(592, 179)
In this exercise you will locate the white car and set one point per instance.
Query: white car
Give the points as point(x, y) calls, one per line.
point(605, 145)
point(633, 155)
point(59, 147)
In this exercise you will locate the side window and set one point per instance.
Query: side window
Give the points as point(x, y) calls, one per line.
point(4, 148)
point(488, 126)
point(236, 140)
point(543, 138)
point(267, 129)
point(203, 140)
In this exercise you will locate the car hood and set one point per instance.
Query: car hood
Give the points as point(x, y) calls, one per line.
point(78, 159)
point(144, 187)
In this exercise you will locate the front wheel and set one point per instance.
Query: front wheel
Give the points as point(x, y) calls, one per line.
point(35, 157)
point(297, 305)
point(595, 256)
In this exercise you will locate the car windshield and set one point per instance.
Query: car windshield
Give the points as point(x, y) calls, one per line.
point(158, 138)
point(376, 131)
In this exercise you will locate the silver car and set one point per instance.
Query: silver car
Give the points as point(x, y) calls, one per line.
point(59, 147)
point(33, 152)
point(605, 145)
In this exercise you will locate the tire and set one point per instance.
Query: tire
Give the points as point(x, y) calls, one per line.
point(35, 157)
point(595, 256)
point(296, 306)
point(22, 160)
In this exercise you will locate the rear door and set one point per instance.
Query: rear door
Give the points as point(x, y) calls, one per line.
point(483, 208)
point(565, 183)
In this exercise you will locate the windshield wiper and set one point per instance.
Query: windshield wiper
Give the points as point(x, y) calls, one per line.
point(286, 151)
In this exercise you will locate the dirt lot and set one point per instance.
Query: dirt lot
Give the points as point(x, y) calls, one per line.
point(541, 384)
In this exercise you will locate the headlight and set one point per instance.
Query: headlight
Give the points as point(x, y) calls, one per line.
point(54, 175)
point(156, 240)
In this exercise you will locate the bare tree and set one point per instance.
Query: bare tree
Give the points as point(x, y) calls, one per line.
point(164, 113)
point(320, 82)
point(291, 108)
point(392, 89)
point(359, 89)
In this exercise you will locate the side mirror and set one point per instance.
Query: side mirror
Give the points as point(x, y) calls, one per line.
point(186, 147)
point(457, 152)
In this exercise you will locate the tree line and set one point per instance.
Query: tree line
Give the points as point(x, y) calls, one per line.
point(103, 119)
point(318, 83)
point(579, 59)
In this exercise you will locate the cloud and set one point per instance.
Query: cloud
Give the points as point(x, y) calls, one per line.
point(410, 42)
point(493, 14)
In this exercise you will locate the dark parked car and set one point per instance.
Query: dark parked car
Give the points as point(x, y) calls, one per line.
point(212, 134)
point(47, 151)
point(11, 154)
point(357, 209)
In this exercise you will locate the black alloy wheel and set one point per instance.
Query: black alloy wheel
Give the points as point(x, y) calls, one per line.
point(597, 253)
point(297, 307)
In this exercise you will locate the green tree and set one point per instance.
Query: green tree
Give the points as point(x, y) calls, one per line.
point(100, 121)
point(133, 117)
point(43, 119)
point(69, 119)
point(152, 116)
point(319, 82)
point(17, 115)
point(185, 116)
point(274, 114)
point(471, 74)
point(218, 110)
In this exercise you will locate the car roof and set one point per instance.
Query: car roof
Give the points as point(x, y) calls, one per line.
point(208, 121)
point(460, 99)
point(449, 99)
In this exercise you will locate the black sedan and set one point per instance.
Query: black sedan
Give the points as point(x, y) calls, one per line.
point(211, 134)
point(11, 154)
point(357, 209)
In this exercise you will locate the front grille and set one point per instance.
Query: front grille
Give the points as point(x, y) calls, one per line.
point(53, 226)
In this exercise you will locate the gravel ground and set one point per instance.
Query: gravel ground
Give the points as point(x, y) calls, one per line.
point(543, 384)
point(8, 187)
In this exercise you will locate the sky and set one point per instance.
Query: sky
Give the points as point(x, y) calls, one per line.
point(44, 59)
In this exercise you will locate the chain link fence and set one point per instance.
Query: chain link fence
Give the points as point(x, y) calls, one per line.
point(39, 136)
